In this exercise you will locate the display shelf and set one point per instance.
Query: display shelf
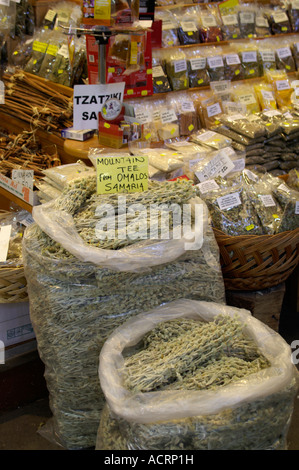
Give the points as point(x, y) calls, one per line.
point(11, 197)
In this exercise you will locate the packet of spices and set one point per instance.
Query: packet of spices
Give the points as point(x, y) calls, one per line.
point(210, 111)
point(293, 10)
point(280, 23)
point(211, 139)
point(39, 49)
point(288, 199)
point(215, 65)
point(233, 67)
point(186, 113)
point(245, 95)
point(246, 15)
point(232, 212)
point(268, 210)
point(262, 26)
point(284, 58)
point(176, 69)
point(210, 25)
point(265, 96)
point(160, 80)
point(281, 85)
point(169, 28)
point(242, 125)
point(295, 51)
point(197, 69)
point(230, 26)
point(267, 59)
point(188, 30)
point(249, 61)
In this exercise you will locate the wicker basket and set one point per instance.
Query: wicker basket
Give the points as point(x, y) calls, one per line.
point(13, 284)
point(254, 262)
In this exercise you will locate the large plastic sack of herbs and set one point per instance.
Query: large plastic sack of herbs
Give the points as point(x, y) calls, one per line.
point(196, 375)
point(82, 285)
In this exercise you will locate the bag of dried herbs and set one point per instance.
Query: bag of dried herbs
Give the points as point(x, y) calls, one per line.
point(284, 58)
point(215, 64)
point(185, 111)
point(249, 60)
point(211, 139)
point(245, 95)
point(188, 30)
point(293, 11)
point(262, 26)
point(266, 58)
point(230, 26)
point(210, 24)
point(295, 53)
point(39, 49)
point(288, 199)
point(196, 376)
point(160, 80)
point(246, 15)
point(233, 67)
point(197, 68)
point(176, 69)
point(83, 285)
point(279, 21)
point(281, 86)
point(170, 27)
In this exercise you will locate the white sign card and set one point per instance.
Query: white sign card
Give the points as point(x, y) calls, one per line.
point(88, 101)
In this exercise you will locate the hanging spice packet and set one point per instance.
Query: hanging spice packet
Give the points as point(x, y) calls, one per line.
point(266, 57)
point(188, 30)
point(293, 10)
point(176, 69)
point(279, 20)
point(246, 15)
point(284, 57)
point(169, 28)
point(39, 49)
point(245, 95)
point(215, 64)
point(249, 60)
point(230, 26)
point(210, 25)
point(186, 113)
point(265, 96)
point(281, 85)
point(197, 68)
point(262, 25)
point(210, 111)
point(232, 63)
point(160, 80)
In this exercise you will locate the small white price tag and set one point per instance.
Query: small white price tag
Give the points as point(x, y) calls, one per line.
point(261, 22)
point(142, 116)
point(24, 177)
point(280, 17)
point(249, 56)
point(5, 232)
point(198, 64)
point(284, 52)
point(229, 201)
point(267, 56)
point(249, 98)
point(282, 85)
point(168, 115)
point(187, 107)
point(213, 110)
point(215, 62)
point(208, 20)
point(268, 95)
point(180, 65)
point(207, 186)
point(158, 71)
point(247, 17)
point(188, 26)
point(267, 200)
point(229, 20)
point(232, 59)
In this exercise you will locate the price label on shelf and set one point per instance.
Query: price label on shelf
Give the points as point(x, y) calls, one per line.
point(24, 177)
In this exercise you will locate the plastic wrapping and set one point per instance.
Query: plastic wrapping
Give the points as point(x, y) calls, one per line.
point(176, 69)
point(288, 198)
point(249, 60)
point(210, 24)
point(284, 58)
point(267, 59)
point(169, 28)
point(233, 67)
point(262, 25)
point(251, 413)
point(215, 64)
point(246, 15)
point(279, 21)
point(242, 125)
point(76, 301)
point(230, 26)
point(282, 88)
point(160, 80)
point(211, 139)
point(197, 68)
point(244, 94)
point(210, 109)
point(185, 111)
point(188, 30)
point(39, 48)
point(293, 11)
point(265, 95)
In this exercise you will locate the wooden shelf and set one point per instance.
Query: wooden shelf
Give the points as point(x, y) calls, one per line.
point(11, 197)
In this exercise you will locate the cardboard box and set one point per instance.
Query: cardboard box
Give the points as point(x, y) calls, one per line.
point(74, 134)
point(15, 324)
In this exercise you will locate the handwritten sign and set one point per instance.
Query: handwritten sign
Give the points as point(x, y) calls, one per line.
point(123, 174)
point(24, 177)
point(18, 190)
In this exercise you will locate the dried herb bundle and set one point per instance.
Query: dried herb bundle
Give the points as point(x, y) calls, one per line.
point(75, 305)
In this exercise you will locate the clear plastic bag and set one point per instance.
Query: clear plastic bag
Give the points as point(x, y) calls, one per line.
point(188, 30)
point(177, 71)
point(197, 68)
point(210, 24)
point(251, 413)
point(211, 139)
point(87, 297)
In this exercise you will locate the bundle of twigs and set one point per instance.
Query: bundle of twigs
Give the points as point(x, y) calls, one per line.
point(23, 151)
point(35, 103)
